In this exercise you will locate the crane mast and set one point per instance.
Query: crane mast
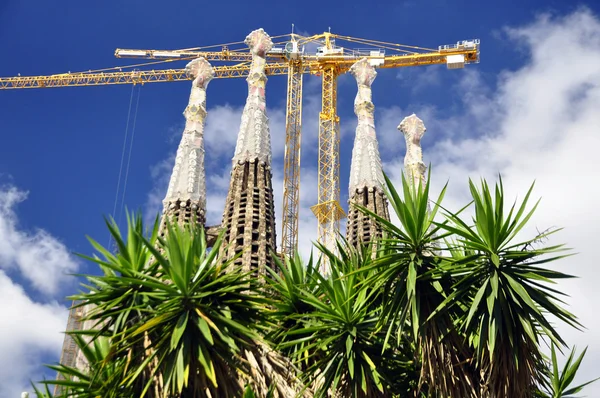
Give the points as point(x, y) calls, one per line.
point(291, 160)
point(328, 210)
point(328, 62)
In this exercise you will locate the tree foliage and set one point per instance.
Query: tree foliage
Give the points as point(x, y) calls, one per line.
point(440, 305)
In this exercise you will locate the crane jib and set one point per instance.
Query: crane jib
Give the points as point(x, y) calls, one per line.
point(307, 64)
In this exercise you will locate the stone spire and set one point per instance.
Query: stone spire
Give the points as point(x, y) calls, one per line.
point(254, 138)
point(249, 216)
point(366, 174)
point(413, 129)
point(414, 169)
point(186, 196)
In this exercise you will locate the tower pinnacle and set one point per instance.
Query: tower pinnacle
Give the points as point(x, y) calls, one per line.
point(365, 170)
point(413, 129)
point(249, 216)
point(186, 196)
point(366, 173)
point(254, 139)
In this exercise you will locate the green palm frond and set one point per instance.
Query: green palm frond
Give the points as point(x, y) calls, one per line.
point(116, 299)
point(101, 378)
point(557, 383)
point(411, 270)
point(506, 291)
point(205, 313)
point(182, 320)
point(405, 255)
point(428, 308)
point(286, 289)
point(45, 393)
point(340, 334)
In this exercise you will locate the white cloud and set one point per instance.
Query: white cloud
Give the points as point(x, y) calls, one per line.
point(30, 329)
point(540, 123)
point(40, 258)
point(223, 125)
point(221, 130)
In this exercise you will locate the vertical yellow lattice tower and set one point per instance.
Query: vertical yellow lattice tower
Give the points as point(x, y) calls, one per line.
point(291, 167)
point(328, 210)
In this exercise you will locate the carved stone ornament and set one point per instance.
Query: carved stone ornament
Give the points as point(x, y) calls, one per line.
point(413, 129)
point(365, 170)
point(259, 42)
point(254, 137)
point(201, 71)
point(188, 180)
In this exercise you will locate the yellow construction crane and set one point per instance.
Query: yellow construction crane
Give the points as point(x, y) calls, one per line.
point(294, 55)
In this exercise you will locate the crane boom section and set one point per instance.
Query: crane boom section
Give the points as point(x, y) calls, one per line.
point(311, 64)
point(171, 55)
point(132, 77)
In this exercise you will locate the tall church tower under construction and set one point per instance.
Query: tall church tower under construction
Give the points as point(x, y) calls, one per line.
point(185, 201)
point(249, 215)
point(366, 174)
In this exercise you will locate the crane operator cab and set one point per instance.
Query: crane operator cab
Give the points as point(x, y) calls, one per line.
point(292, 50)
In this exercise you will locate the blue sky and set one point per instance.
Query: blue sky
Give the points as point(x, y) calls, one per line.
point(525, 111)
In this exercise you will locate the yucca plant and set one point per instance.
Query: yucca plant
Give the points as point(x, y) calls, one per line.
point(201, 319)
point(289, 309)
point(101, 378)
point(411, 269)
point(185, 322)
point(118, 297)
point(340, 333)
point(115, 300)
point(441, 309)
point(505, 292)
point(557, 382)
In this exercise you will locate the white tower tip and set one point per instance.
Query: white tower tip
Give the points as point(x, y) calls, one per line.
point(413, 129)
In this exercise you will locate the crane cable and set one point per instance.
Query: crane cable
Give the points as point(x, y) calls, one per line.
point(130, 151)
point(116, 201)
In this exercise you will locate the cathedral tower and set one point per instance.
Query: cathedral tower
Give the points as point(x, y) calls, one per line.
point(186, 196)
point(366, 174)
point(249, 216)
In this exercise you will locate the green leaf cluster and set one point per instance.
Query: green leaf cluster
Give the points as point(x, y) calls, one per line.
point(174, 314)
point(438, 305)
